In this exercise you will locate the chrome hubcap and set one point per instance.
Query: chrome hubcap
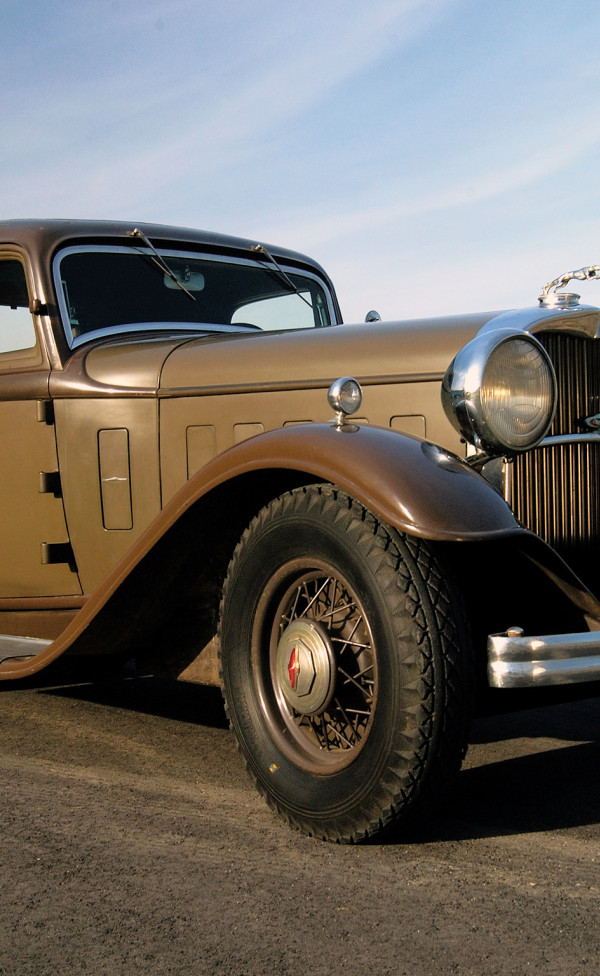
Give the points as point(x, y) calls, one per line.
point(306, 667)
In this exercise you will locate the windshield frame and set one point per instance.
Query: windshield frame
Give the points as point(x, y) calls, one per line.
point(174, 326)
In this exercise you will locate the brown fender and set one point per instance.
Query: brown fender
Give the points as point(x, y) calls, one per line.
point(413, 485)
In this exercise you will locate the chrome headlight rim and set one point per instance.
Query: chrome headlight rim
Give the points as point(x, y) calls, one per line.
point(471, 411)
point(345, 396)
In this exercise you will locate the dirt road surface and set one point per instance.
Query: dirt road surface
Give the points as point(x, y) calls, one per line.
point(134, 844)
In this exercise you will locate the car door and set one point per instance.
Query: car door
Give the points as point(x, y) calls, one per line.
point(35, 555)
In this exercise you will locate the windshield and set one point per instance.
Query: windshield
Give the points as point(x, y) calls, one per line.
point(105, 289)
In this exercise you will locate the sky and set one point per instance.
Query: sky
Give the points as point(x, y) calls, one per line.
point(435, 156)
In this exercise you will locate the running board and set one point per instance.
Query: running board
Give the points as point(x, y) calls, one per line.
point(21, 646)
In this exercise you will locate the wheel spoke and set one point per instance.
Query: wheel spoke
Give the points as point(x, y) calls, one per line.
point(342, 739)
point(350, 643)
point(315, 598)
point(293, 610)
point(337, 610)
point(350, 680)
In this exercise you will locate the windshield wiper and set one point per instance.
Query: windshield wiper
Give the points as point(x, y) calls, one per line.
point(160, 262)
point(261, 249)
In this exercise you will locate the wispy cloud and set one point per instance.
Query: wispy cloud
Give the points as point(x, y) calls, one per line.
point(144, 123)
point(398, 201)
point(398, 134)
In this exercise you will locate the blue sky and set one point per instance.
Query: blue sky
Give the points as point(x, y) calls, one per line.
point(436, 156)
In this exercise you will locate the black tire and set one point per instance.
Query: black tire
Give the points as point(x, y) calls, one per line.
point(345, 666)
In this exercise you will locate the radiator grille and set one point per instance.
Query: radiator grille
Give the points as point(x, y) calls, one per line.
point(555, 490)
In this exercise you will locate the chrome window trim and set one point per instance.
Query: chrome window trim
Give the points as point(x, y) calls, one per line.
point(186, 327)
point(166, 329)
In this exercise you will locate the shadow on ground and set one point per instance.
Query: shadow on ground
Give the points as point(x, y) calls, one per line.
point(528, 771)
point(533, 771)
point(175, 700)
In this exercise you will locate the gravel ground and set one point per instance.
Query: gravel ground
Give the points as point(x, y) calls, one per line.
point(133, 843)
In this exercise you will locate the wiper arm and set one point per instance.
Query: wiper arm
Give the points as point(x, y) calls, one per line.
point(160, 262)
point(261, 249)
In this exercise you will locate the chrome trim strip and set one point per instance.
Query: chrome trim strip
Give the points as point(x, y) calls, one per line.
point(278, 386)
point(589, 437)
point(555, 659)
point(11, 646)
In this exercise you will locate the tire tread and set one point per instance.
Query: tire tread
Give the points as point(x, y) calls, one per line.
point(415, 586)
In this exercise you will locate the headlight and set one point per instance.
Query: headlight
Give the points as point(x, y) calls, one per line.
point(500, 392)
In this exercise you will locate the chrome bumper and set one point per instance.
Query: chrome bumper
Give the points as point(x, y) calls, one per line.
point(516, 661)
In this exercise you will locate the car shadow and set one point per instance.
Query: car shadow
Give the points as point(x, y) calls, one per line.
point(526, 771)
point(165, 698)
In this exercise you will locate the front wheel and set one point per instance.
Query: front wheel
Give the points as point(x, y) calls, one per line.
point(344, 666)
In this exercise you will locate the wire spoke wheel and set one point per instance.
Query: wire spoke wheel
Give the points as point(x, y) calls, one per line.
point(322, 676)
point(346, 666)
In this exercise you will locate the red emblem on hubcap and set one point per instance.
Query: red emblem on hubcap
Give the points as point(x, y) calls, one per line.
point(293, 668)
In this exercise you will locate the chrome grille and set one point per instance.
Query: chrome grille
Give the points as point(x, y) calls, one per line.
point(555, 490)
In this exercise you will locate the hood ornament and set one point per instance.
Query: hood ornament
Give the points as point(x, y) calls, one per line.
point(553, 299)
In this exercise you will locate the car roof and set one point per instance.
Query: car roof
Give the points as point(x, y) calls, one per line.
point(44, 236)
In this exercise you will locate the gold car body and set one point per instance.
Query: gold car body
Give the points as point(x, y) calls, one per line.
point(132, 462)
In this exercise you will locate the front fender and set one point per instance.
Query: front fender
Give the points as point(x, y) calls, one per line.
point(413, 485)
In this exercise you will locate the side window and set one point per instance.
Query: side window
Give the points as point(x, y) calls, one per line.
point(17, 332)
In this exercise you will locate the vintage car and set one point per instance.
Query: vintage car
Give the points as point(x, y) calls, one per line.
point(354, 529)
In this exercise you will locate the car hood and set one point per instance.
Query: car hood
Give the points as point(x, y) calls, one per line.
point(143, 365)
point(396, 350)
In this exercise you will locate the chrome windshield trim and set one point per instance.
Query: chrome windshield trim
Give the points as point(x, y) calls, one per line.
point(537, 661)
point(180, 330)
point(169, 252)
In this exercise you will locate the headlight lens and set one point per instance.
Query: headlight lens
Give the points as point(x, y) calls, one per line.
point(500, 392)
point(517, 393)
